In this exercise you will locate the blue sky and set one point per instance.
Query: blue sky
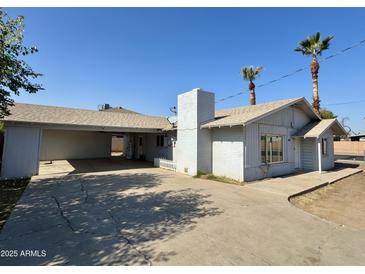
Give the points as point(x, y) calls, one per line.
point(143, 58)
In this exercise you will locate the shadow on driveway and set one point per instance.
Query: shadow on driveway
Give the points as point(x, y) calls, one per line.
point(100, 219)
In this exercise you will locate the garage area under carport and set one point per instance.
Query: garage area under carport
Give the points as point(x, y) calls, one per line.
point(83, 166)
point(74, 140)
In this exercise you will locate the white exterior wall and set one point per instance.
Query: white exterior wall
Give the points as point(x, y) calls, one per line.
point(227, 151)
point(21, 152)
point(128, 145)
point(285, 123)
point(151, 150)
point(64, 144)
point(194, 147)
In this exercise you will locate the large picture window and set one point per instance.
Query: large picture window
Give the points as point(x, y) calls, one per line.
point(272, 149)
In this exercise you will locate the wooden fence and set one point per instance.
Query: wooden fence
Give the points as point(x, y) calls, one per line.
point(356, 148)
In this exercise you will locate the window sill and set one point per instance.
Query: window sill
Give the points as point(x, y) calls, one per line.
point(274, 163)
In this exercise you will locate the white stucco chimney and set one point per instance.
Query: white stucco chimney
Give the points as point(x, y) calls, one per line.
point(194, 146)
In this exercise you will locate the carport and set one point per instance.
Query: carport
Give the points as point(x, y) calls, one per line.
point(46, 134)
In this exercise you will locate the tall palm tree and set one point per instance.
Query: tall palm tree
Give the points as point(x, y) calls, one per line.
point(314, 47)
point(250, 74)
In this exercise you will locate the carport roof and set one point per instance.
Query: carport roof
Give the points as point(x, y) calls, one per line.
point(51, 115)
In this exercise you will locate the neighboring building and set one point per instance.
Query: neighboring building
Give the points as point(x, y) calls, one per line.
point(246, 143)
point(359, 137)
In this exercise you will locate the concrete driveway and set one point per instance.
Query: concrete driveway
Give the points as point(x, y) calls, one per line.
point(150, 216)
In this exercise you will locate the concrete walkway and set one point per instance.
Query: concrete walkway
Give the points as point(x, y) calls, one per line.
point(150, 216)
point(294, 184)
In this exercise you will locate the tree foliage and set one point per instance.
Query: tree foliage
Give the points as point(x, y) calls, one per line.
point(250, 73)
point(313, 45)
point(15, 74)
point(327, 114)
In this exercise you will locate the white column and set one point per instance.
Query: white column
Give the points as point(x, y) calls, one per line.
point(319, 155)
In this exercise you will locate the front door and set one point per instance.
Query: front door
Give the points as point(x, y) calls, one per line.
point(297, 153)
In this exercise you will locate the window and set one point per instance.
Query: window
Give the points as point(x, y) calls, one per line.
point(160, 140)
point(272, 149)
point(324, 147)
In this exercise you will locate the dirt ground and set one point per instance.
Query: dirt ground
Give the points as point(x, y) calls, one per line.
point(342, 202)
point(10, 192)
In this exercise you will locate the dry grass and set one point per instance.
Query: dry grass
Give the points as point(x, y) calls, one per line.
point(342, 202)
point(10, 192)
point(221, 179)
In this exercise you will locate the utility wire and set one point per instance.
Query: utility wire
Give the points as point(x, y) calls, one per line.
point(294, 72)
point(346, 103)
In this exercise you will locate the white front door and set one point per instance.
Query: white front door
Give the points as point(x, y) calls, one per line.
point(297, 153)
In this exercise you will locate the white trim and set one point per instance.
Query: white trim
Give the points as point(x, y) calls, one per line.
point(40, 137)
point(319, 155)
point(4, 156)
point(83, 127)
point(284, 145)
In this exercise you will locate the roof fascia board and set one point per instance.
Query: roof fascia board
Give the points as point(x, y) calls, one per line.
point(80, 127)
point(323, 131)
point(219, 126)
point(327, 128)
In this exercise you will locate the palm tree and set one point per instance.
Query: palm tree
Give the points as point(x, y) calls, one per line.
point(250, 74)
point(314, 47)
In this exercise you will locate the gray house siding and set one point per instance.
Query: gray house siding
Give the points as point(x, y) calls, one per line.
point(66, 144)
point(227, 151)
point(308, 153)
point(21, 152)
point(285, 123)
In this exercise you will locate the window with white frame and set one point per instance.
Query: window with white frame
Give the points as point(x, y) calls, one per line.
point(272, 149)
point(324, 146)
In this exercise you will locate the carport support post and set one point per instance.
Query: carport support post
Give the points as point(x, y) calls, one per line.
point(319, 155)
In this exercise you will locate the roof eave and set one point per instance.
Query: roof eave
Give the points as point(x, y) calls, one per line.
point(219, 126)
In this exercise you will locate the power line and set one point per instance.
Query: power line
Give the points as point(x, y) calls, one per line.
point(345, 103)
point(294, 72)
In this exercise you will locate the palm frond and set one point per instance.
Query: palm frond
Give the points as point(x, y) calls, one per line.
point(314, 45)
point(325, 44)
point(250, 73)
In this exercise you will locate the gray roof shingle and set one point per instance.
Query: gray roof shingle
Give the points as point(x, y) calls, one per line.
point(316, 129)
point(246, 114)
point(83, 117)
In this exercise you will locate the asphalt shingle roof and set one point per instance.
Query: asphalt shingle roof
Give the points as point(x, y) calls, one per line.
point(83, 117)
point(243, 115)
point(317, 128)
